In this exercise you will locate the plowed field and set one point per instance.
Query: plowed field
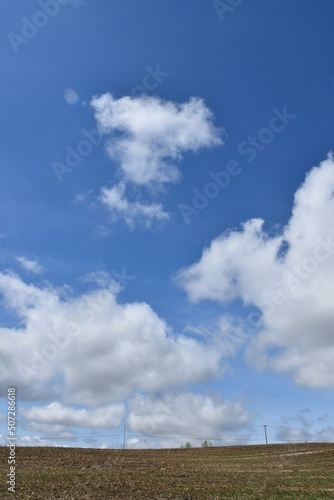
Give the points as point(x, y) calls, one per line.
point(299, 471)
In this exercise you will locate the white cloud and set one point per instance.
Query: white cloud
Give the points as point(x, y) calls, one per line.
point(29, 265)
point(103, 280)
point(228, 332)
point(92, 349)
point(132, 212)
point(188, 416)
point(292, 289)
point(147, 134)
point(57, 414)
point(235, 264)
point(148, 137)
point(95, 352)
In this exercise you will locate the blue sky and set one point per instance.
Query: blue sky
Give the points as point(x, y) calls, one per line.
point(156, 159)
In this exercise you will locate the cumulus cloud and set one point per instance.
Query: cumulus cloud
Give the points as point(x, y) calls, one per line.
point(93, 350)
point(93, 355)
point(286, 277)
point(148, 137)
point(147, 134)
point(188, 416)
point(229, 333)
point(29, 265)
point(235, 264)
point(132, 212)
point(57, 414)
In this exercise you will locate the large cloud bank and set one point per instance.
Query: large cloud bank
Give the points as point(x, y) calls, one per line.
point(287, 277)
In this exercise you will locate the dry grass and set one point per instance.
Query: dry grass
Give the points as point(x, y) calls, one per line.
point(299, 471)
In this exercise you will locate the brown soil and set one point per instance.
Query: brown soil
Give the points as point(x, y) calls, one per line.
point(298, 471)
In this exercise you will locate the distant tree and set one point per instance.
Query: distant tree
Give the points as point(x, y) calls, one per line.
point(187, 445)
point(206, 444)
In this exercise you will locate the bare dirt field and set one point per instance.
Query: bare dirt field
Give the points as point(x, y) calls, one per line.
point(291, 471)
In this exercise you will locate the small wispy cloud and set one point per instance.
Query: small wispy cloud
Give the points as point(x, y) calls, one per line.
point(132, 212)
point(29, 265)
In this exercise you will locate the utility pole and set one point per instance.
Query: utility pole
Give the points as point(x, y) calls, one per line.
point(124, 438)
point(265, 433)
